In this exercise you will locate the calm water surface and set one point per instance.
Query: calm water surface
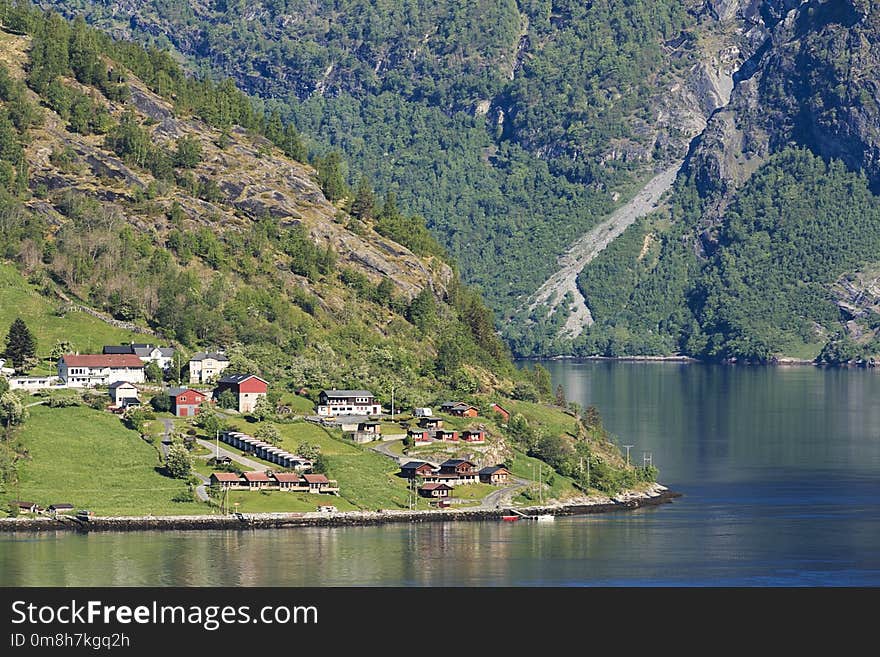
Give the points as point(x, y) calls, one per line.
point(780, 468)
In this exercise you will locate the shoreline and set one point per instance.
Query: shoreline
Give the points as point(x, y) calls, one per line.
point(778, 362)
point(627, 501)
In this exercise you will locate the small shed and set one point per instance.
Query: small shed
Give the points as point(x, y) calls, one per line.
point(123, 393)
point(435, 490)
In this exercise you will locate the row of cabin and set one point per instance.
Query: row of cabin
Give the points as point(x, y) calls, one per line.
point(287, 481)
point(421, 436)
point(33, 507)
point(454, 472)
point(265, 451)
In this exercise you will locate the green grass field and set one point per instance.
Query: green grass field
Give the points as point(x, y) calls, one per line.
point(555, 485)
point(89, 459)
point(87, 334)
point(552, 418)
point(283, 502)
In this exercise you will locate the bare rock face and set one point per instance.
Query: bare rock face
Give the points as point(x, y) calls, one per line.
point(815, 82)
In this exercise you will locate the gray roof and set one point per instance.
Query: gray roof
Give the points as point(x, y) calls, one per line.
point(216, 355)
point(119, 384)
point(144, 350)
point(492, 468)
point(454, 462)
point(237, 378)
point(117, 349)
point(347, 393)
point(173, 392)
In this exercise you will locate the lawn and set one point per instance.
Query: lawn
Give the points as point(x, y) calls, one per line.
point(293, 433)
point(472, 491)
point(86, 334)
point(89, 459)
point(552, 418)
point(283, 502)
point(299, 405)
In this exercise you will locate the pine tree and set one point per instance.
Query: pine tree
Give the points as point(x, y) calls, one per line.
point(330, 176)
point(364, 205)
point(21, 346)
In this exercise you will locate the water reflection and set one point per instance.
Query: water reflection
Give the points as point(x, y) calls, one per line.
point(779, 467)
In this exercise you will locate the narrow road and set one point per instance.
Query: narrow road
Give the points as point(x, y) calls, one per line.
point(384, 448)
point(166, 439)
point(201, 490)
point(587, 247)
point(502, 496)
point(248, 463)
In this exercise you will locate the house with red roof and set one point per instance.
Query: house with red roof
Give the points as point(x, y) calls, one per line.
point(256, 480)
point(226, 480)
point(435, 490)
point(319, 483)
point(90, 370)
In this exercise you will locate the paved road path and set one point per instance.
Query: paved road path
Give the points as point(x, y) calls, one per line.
point(502, 496)
point(243, 460)
point(166, 439)
point(201, 490)
point(384, 448)
point(589, 245)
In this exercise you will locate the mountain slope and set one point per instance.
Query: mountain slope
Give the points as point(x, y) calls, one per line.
point(770, 250)
point(514, 128)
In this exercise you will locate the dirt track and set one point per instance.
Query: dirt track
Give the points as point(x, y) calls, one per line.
point(587, 247)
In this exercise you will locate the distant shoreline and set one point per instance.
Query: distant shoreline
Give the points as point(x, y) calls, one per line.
point(779, 362)
point(625, 502)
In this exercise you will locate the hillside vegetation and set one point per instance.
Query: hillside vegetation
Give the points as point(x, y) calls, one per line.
point(513, 127)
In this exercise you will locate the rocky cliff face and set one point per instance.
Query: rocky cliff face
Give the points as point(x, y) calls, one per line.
point(812, 82)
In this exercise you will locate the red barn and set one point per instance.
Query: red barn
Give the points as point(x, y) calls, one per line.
point(248, 388)
point(504, 413)
point(185, 402)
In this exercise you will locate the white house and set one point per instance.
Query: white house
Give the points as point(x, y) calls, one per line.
point(422, 412)
point(33, 382)
point(347, 402)
point(206, 367)
point(148, 353)
point(88, 370)
point(123, 393)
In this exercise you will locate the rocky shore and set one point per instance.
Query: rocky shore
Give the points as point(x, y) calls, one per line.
point(654, 496)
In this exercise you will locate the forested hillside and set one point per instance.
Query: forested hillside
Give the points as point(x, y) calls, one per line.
point(191, 219)
point(511, 127)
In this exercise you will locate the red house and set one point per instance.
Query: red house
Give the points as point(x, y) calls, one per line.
point(419, 435)
point(505, 414)
point(415, 469)
point(248, 388)
point(473, 436)
point(446, 435)
point(185, 402)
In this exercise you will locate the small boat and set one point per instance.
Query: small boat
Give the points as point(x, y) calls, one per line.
point(510, 518)
point(547, 517)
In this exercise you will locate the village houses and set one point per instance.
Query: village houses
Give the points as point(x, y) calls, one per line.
point(205, 367)
point(347, 402)
point(148, 353)
point(248, 388)
point(89, 370)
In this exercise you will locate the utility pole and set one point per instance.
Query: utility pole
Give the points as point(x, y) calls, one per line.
point(628, 447)
point(217, 439)
point(392, 403)
point(647, 459)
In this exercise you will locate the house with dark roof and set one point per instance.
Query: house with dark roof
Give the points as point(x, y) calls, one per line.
point(248, 388)
point(123, 393)
point(473, 436)
point(61, 507)
point(148, 353)
point(206, 366)
point(459, 409)
point(419, 435)
point(186, 402)
point(458, 466)
point(436, 491)
point(446, 435)
point(430, 423)
point(25, 507)
point(332, 403)
point(496, 475)
point(414, 469)
point(89, 370)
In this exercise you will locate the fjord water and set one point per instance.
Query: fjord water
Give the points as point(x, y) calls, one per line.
point(779, 467)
